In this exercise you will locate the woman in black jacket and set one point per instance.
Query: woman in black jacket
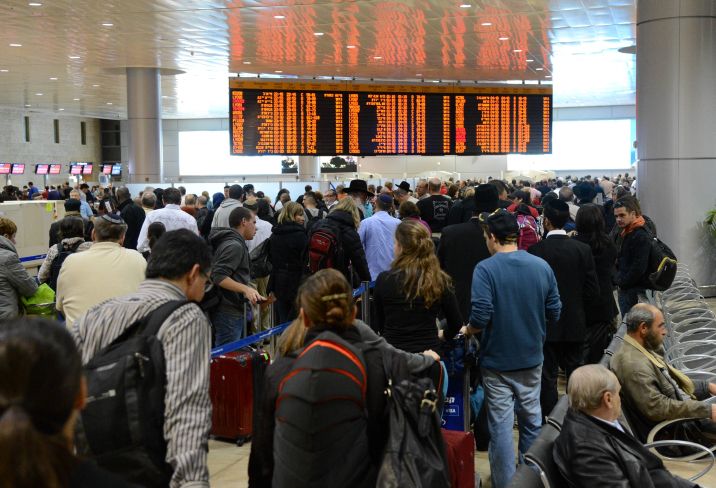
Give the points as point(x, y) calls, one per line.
point(414, 293)
point(602, 313)
point(345, 219)
point(287, 251)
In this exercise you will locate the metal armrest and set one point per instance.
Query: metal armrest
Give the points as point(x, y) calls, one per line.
point(542, 475)
point(692, 457)
point(706, 452)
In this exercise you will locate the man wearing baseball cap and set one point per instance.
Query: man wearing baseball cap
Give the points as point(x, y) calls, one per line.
point(514, 300)
point(377, 236)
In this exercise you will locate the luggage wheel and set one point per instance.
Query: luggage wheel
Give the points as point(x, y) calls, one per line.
point(242, 440)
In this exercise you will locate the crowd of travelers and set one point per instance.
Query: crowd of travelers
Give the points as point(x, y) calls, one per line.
point(530, 269)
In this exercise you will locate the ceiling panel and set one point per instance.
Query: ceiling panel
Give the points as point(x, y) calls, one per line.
point(491, 40)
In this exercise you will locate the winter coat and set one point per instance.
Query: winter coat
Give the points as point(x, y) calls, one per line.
point(633, 260)
point(14, 280)
point(287, 253)
point(352, 246)
point(604, 308)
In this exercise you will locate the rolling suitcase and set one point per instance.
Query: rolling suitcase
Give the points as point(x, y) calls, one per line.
point(235, 387)
point(460, 447)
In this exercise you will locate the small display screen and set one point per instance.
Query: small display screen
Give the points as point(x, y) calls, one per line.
point(5, 168)
point(18, 169)
point(106, 169)
point(87, 169)
point(117, 169)
point(75, 169)
point(55, 169)
point(42, 169)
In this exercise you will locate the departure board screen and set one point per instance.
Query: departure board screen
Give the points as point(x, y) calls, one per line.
point(367, 120)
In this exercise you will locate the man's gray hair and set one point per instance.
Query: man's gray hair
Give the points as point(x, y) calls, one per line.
point(149, 199)
point(587, 386)
point(641, 312)
point(105, 231)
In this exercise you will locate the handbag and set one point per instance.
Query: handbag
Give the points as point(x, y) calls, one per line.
point(42, 303)
point(414, 455)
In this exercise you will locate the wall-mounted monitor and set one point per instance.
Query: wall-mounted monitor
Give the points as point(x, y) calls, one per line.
point(117, 169)
point(55, 169)
point(42, 169)
point(76, 168)
point(87, 169)
point(106, 169)
point(5, 168)
point(18, 169)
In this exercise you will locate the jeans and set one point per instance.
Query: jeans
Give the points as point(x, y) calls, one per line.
point(504, 389)
point(228, 327)
point(628, 298)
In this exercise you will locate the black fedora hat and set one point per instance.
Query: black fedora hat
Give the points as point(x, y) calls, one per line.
point(405, 186)
point(358, 186)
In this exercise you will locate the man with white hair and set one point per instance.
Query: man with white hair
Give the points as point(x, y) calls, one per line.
point(85, 210)
point(594, 449)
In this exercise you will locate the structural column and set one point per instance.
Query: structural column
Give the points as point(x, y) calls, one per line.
point(309, 168)
point(145, 125)
point(676, 125)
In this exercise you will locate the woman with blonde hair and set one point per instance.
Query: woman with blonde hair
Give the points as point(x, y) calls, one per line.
point(287, 252)
point(343, 222)
point(409, 298)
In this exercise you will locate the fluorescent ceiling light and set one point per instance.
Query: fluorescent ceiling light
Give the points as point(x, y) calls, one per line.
point(74, 57)
point(76, 99)
point(279, 16)
point(503, 38)
point(318, 33)
point(350, 46)
point(107, 24)
point(38, 94)
point(486, 24)
point(377, 57)
point(15, 45)
point(530, 60)
point(539, 69)
point(465, 5)
point(109, 103)
point(35, 4)
point(53, 79)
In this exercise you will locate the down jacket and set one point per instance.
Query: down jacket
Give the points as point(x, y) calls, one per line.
point(14, 280)
point(352, 246)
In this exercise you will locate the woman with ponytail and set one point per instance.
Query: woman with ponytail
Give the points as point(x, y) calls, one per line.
point(410, 297)
point(41, 394)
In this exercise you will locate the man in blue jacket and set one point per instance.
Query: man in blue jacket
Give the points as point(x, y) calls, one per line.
point(514, 299)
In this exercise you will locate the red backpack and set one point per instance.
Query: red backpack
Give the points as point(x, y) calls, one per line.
point(324, 248)
point(529, 235)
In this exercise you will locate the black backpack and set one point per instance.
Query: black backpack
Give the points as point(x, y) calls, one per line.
point(321, 433)
point(122, 425)
point(260, 260)
point(325, 249)
point(662, 264)
point(64, 253)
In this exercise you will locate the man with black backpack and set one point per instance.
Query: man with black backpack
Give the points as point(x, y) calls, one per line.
point(146, 359)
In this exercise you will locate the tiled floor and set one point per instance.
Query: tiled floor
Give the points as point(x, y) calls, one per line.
point(228, 463)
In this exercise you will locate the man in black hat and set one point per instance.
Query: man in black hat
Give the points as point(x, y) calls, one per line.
point(403, 193)
point(72, 208)
point(463, 245)
point(358, 190)
point(573, 266)
point(514, 320)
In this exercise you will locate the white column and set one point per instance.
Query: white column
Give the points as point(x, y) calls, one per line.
point(144, 113)
point(676, 122)
point(309, 168)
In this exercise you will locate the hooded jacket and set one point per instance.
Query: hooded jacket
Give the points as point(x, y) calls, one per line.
point(14, 280)
point(231, 260)
point(287, 248)
point(352, 247)
point(221, 214)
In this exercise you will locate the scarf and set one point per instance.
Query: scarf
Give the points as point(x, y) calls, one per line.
point(683, 381)
point(638, 222)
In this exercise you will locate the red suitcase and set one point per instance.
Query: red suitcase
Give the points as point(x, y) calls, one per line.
point(235, 383)
point(460, 447)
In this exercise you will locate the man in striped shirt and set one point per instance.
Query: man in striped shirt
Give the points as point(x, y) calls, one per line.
point(178, 270)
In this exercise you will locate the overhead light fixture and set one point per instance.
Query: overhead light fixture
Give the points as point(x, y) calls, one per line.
point(53, 78)
point(61, 109)
point(517, 50)
point(74, 57)
point(318, 33)
point(350, 46)
point(76, 99)
point(15, 45)
point(95, 86)
point(539, 69)
point(247, 62)
point(278, 71)
point(109, 103)
point(530, 60)
point(486, 24)
point(377, 57)
point(107, 24)
point(548, 76)
point(465, 5)
point(28, 105)
point(4, 70)
point(38, 94)
point(503, 38)
point(279, 16)
point(35, 4)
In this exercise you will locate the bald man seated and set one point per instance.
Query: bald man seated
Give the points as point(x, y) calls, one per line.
point(594, 450)
point(653, 389)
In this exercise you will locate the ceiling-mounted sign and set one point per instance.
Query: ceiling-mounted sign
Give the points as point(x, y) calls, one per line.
point(325, 119)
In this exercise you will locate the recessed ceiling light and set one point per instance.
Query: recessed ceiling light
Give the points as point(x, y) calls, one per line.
point(539, 69)
point(530, 60)
point(465, 5)
point(350, 46)
point(74, 57)
point(35, 4)
point(3, 70)
point(318, 33)
point(109, 103)
point(38, 94)
point(377, 57)
point(61, 109)
point(278, 71)
point(247, 62)
point(76, 99)
point(486, 24)
point(107, 24)
point(53, 79)
point(28, 105)
point(279, 16)
point(503, 38)
point(517, 50)
point(15, 45)
point(95, 86)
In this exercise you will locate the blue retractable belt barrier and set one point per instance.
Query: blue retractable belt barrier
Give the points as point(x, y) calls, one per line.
point(265, 334)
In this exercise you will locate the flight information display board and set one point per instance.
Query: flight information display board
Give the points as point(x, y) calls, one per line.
point(373, 120)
